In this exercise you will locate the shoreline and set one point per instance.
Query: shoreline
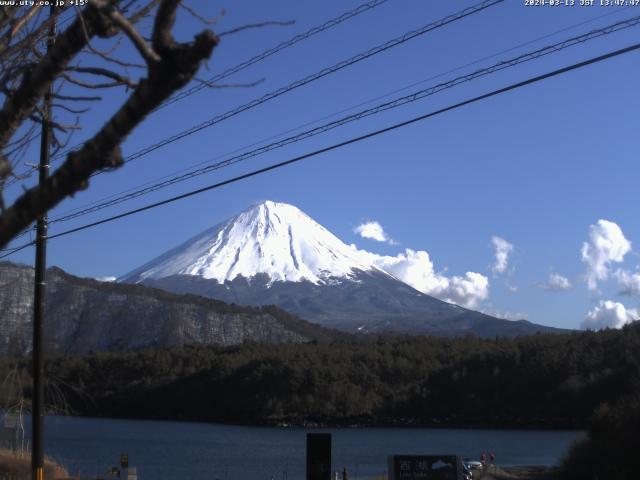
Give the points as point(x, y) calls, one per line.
point(342, 424)
point(154, 445)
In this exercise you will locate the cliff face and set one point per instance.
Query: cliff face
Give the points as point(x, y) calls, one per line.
point(84, 315)
point(16, 308)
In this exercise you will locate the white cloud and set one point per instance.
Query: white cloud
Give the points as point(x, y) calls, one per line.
point(374, 231)
point(628, 282)
point(416, 269)
point(507, 314)
point(609, 314)
point(106, 279)
point(556, 283)
point(467, 291)
point(503, 250)
point(607, 244)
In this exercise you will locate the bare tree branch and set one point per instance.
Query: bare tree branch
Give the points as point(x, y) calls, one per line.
point(28, 136)
point(35, 83)
point(178, 64)
point(129, 30)
point(69, 109)
point(104, 73)
point(19, 25)
point(76, 98)
point(7, 50)
point(125, 8)
point(6, 15)
point(201, 18)
point(162, 39)
point(108, 32)
point(55, 125)
point(143, 12)
point(108, 57)
point(5, 166)
point(91, 85)
point(105, 54)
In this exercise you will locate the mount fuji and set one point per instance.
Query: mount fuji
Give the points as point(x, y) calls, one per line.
point(272, 239)
point(273, 253)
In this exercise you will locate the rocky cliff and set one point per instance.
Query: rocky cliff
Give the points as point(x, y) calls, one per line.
point(85, 315)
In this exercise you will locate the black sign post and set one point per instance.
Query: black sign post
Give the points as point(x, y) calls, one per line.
point(318, 456)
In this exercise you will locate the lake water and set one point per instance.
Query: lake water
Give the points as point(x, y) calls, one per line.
point(178, 450)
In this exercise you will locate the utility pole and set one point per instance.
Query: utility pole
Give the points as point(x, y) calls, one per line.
point(37, 420)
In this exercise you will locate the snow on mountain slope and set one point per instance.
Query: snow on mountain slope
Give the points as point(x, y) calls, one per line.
point(275, 239)
point(274, 254)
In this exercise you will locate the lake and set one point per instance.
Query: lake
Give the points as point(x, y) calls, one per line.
point(164, 450)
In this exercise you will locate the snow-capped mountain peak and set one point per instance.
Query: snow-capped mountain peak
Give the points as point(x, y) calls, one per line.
point(270, 238)
point(291, 261)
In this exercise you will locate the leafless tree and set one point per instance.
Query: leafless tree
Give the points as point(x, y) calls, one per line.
point(77, 65)
point(12, 401)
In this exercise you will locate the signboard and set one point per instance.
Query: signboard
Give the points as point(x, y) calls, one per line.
point(424, 467)
point(124, 460)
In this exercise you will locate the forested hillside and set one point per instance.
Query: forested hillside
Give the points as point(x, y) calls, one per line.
point(612, 445)
point(550, 381)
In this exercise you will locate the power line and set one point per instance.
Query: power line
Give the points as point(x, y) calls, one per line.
point(316, 76)
point(433, 77)
point(353, 140)
point(325, 117)
point(365, 7)
point(11, 251)
point(272, 51)
point(415, 96)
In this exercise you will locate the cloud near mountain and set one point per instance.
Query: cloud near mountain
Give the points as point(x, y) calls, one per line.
point(284, 243)
point(555, 283)
point(629, 283)
point(416, 269)
point(609, 314)
point(606, 245)
point(275, 254)
point(373, 231)
point(502, 251)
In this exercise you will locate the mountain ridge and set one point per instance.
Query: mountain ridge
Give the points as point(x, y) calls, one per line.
point(84, 315)
point(374, 304)
point(273, 253)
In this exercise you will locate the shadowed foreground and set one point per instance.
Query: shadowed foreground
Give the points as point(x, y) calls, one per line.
point(518, 473)
point(14, 466)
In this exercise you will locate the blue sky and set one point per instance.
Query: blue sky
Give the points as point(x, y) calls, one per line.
point(538, 167)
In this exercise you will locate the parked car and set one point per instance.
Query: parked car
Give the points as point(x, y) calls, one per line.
point(472, 464)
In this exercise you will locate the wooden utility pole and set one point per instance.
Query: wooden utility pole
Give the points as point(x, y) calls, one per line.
point(37, 427)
